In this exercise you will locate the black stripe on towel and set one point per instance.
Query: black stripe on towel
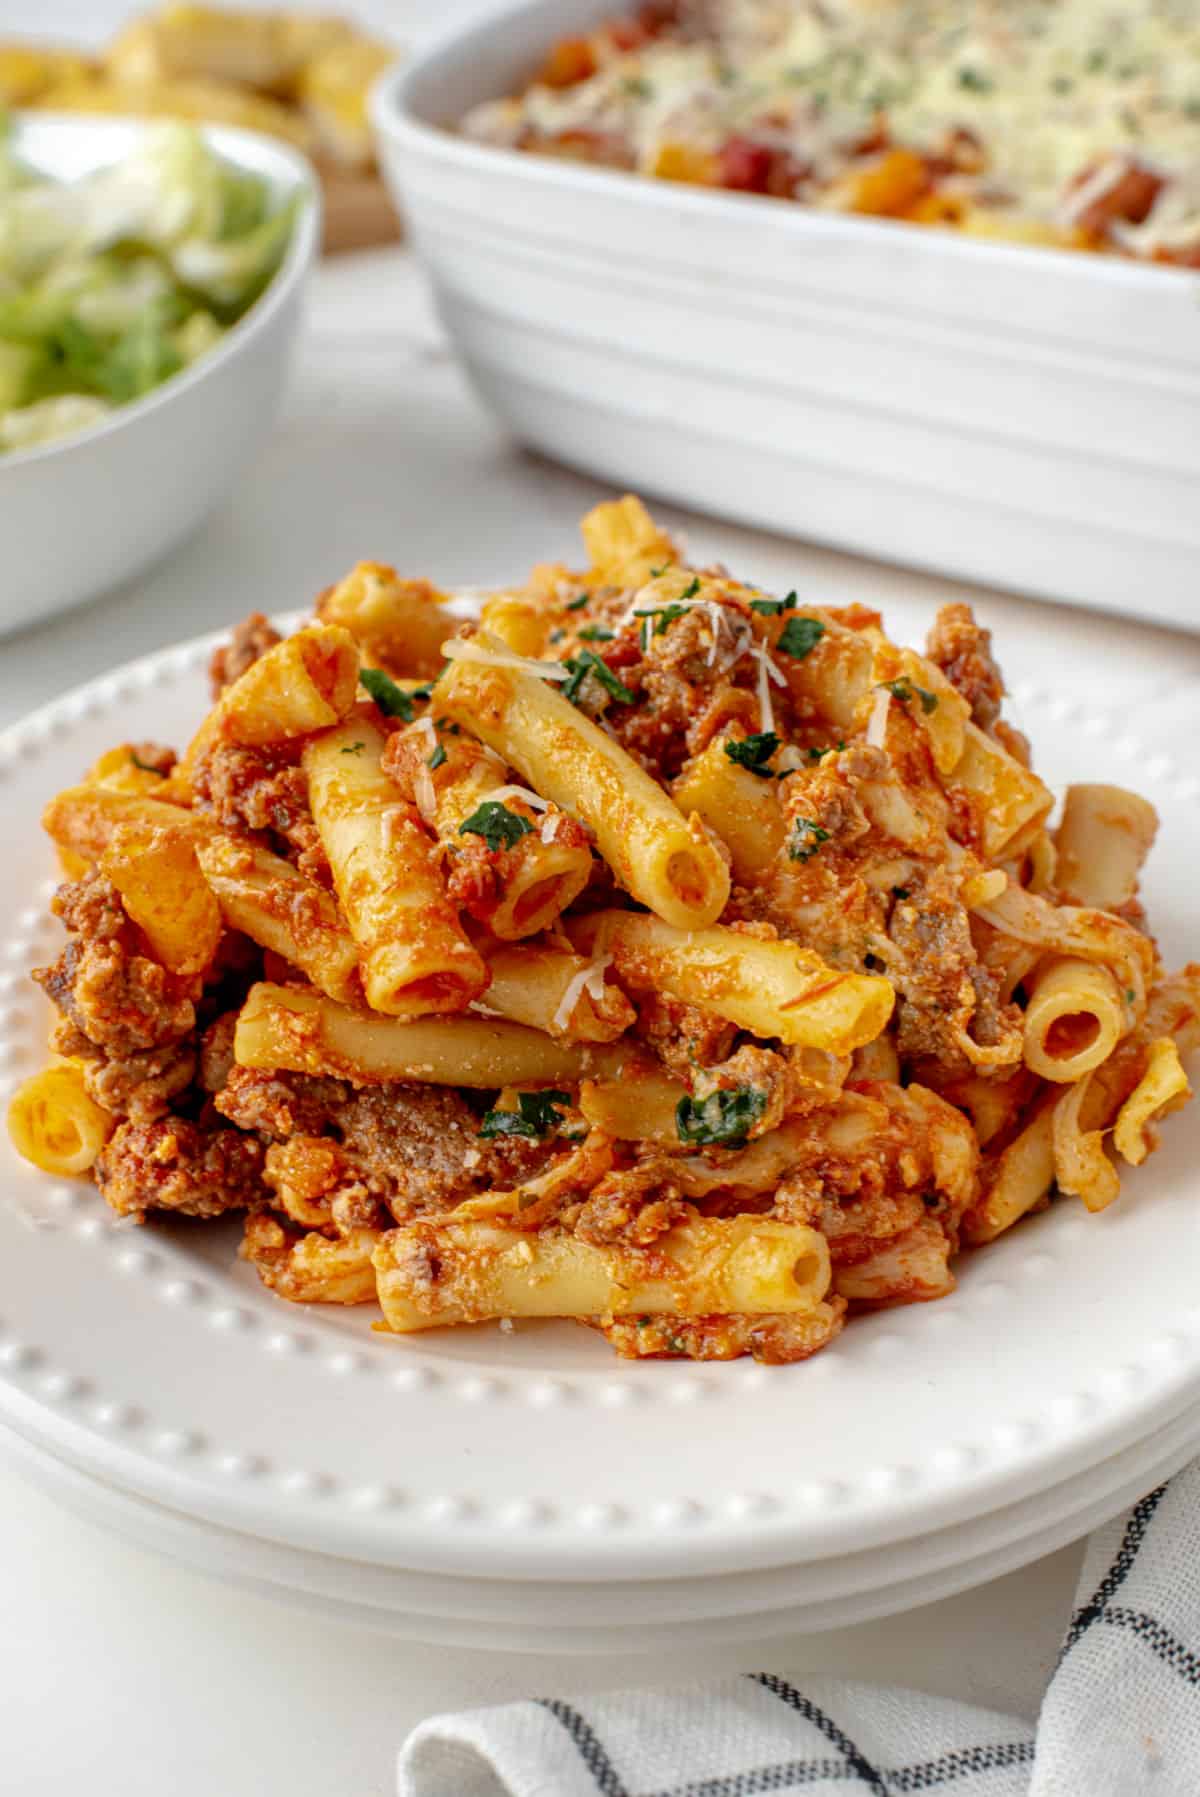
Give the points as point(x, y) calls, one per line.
point(856, 1761)
point(591, 1750)
point(1118, 1572)
point(925, 1775)
point(1161, 1642)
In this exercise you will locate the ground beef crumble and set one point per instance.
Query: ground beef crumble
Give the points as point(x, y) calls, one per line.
point(171, 1164)
point(251, 638)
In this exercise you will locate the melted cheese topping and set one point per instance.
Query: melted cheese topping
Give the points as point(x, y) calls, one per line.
point(1054, 94)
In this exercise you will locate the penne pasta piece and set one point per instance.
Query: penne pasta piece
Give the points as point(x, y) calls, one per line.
point(434, 1273)
point(624, 544)
point(550, 989)
point(84, 819)
point(539, 861)
point(738, 806)
point(155, 870)
point(774, 988)
point(414, 956)
point(288, 1028)
point(55, 1123)
point(1007, 797)
point(1074, 1019)
point(305, 683)
point(666, 861)
point(1016, 1180)
point(280, 908)
point(399, 623)
point(520, 624)
point(639, 1107)
point(1103, 838)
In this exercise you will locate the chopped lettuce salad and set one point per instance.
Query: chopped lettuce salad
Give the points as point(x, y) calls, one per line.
point(111, 284)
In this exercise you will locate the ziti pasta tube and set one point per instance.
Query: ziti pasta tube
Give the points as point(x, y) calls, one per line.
point(666, 861)
point(772, 988)
point(752, 1265)
point(415, 958)
point(288, 1028)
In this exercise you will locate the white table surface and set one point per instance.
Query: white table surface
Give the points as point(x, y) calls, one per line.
point(120, 1672)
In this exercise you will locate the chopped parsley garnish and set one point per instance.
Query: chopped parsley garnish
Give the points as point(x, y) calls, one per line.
point(754, 752)
point(724, 1118)
point(819, 754)
point(807, 838)
point(578, 604)
point(900, 892)
point(1130, 995)
point(692, 588)
point(425, 690)
point(637, 87)
point(904, 689)
point(391, 699)
point(556, 636)
point(663, 615)
point(594, 633)
point(354, 748)
point(499, 827)
point(773, 608)
point(146, 766)
point(537, 1115)
point(974, 81)
point(438, 757)
point(655, 572)
point(588, 662)
point(800, 637)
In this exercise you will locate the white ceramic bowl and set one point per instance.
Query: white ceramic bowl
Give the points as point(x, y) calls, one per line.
point(81, 516)
point(1025, 417)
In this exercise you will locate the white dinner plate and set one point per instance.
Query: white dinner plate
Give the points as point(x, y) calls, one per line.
point(619, 1616)
point(151, 1359)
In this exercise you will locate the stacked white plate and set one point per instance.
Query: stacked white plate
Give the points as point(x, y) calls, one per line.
point(526, 1483)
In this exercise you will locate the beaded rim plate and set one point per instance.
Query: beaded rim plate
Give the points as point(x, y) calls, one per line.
point(151, 1357)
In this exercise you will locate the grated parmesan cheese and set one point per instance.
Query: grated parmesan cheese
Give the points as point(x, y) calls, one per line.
point(589, 979)
point(767, 671)
point(878, 723)
point(534, 800)
point(550, 823)
point(487, 651)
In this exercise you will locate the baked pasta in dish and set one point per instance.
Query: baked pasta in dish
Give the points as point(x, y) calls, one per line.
point(657, 951)
point(1073, 123)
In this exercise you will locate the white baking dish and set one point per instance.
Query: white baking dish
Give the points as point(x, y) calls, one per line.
point(1024, 417)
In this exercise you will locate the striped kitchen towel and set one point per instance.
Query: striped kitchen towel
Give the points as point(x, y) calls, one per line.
point(1120, 1717)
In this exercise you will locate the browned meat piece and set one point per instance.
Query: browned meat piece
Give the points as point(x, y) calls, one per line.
point(281, 1105)
point(141, 1086)
point(633, 1207)
point(174, 1165)
point(262, 790)
point(216, 1052)
point(416, 1147)
point(419, 1148)
point(121, 1001)
point(251, 638)
point(682, 1037)
point(962, 649)
point(92, 907)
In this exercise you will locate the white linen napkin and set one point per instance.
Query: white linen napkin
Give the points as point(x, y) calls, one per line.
point(1120, 1718)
